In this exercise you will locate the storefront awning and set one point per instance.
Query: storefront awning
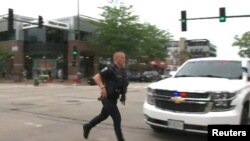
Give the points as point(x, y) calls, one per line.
point(159, 64)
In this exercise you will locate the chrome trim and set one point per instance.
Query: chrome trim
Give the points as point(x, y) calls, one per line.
point(177, 99)
point(206, 109)
point(187, 99)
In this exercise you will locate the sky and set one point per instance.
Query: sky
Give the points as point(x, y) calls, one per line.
point(165, 14)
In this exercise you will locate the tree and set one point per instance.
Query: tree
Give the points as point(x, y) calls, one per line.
point(243, 43)
point(117, 31)
point(154, 41)
point(183, 56)
point(120, 30)
point(4, 56)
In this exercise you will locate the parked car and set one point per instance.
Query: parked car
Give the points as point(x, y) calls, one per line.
point(91, 81)
point(166, 74)
point(133, 77)
point(150, 76)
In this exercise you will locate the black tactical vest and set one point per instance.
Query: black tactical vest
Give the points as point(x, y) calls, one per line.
point(116, 83)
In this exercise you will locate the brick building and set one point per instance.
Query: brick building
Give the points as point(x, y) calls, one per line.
point(48, 48)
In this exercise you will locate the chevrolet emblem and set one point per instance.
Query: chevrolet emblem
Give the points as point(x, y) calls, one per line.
point(177, 99)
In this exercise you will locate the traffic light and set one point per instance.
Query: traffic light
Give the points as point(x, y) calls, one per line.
point(183, 21)
point(74, 52)
point(10, 20)
point(40, 21)
point(222, 14)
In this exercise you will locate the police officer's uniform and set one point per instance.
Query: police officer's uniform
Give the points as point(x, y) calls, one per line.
point(116, 83)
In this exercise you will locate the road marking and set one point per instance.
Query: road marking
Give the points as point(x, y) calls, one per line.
point(33, 124)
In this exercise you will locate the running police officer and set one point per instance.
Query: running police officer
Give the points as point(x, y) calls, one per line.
point(112, 81)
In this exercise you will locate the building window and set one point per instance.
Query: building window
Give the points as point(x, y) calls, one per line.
point(84, 35)
point(34, 35)
point(54, 35)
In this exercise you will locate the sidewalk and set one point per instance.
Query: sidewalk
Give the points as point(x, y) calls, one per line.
point(56, 81)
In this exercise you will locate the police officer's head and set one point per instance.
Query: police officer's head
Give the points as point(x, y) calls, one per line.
point(119, 59)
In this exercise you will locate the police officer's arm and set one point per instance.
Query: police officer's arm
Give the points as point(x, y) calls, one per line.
point(124, 88)
point(98, 80)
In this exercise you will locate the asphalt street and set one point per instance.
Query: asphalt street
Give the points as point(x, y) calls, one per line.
point(55, 112)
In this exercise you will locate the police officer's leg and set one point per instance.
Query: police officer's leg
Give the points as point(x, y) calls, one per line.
point(116, 116)
point(102, 116)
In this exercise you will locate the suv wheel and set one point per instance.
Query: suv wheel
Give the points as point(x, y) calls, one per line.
point(245, 113)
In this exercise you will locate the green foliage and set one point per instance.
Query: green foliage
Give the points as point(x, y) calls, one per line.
point(4, 55)
point(243, 43)
point(36, 81)
point(154, 41)
point(120, 30)
point(116, 31)
point(185, 53)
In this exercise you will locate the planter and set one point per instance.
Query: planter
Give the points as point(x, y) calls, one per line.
point(36, 82)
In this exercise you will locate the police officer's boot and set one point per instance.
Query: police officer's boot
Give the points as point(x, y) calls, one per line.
point(119, 135)
point(86, 130)
point(120, 139)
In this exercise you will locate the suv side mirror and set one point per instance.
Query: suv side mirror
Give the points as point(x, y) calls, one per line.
point(172, 73)
point(245, 74)
point(245, 69)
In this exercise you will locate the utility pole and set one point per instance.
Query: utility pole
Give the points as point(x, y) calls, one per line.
point(75, 61)
point(78, 20)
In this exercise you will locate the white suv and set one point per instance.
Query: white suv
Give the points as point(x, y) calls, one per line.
point(202, 92)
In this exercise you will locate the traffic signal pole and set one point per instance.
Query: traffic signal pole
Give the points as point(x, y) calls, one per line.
point(11, 17)
point(222, 18)
point(207, 18)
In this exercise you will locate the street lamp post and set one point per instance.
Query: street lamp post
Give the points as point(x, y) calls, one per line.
point(78, 20)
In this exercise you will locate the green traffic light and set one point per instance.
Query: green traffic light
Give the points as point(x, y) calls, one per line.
point(222, 19)
point(74, 53)
point(222, 14)
point(184, 21)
